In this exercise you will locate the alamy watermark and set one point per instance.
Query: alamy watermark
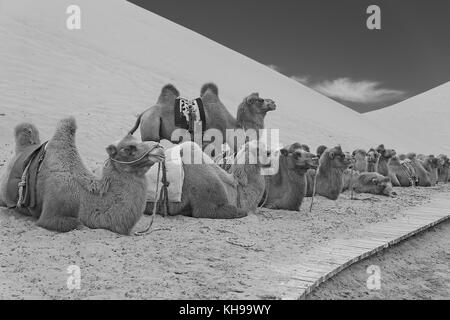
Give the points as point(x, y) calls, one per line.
point(374, 280)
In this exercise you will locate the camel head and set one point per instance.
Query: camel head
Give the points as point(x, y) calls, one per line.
point(444, 161)
point(411, 156)
point(385, 153)
point(395, 160)
point(336, 158)
point(383, 185)
point(256, 105)
point(26, 134)
point(298, 158)
point(320, 150)
point(433, 161)
point(372, 156)
point(131, 155)
point(359, 154)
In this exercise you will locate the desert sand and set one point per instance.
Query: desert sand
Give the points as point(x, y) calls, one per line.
point(184, 257)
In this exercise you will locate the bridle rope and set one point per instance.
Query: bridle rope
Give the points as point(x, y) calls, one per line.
point(137, 160)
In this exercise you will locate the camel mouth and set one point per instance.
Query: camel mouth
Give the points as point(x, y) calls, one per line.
point(156, 155)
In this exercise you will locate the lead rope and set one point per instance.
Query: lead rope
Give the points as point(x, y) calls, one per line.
point(22, 184)
point(266, 194)
point(155, 204)
point(165, 192)
point(314, 189)
point(351, 184)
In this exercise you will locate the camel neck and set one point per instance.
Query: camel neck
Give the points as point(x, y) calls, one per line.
point(331, 176)
point(251, 184)
point(247, 120)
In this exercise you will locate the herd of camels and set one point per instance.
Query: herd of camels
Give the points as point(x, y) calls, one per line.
point(68, 196)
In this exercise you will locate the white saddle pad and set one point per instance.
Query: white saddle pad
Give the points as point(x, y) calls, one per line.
point(175, 175)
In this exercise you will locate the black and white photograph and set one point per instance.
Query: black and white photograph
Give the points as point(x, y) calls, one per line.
point(216, 151)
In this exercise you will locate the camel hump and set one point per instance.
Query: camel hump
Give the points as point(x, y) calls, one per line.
point(212, 87)
point(168, 94)
point(65, 130)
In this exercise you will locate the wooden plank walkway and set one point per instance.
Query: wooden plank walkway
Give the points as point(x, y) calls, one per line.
point(325, 262)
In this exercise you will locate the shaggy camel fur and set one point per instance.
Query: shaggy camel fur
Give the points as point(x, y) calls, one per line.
point(329, 181)
point(431, 163)
point(423, 177)
point(287, 188)
point(211, 192)
point(399, 173)
point(68, 195)
point(372, 159)
point(372, 182)
point(360, 157)
point(157, 122)
point(443, 168)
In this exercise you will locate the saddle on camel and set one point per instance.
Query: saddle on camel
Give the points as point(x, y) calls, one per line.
point(21, 182)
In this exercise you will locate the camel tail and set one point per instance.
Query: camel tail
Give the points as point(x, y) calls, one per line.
point(211, 87)
point(136, 125)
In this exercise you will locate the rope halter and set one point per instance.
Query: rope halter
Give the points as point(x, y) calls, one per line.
point(158, 158)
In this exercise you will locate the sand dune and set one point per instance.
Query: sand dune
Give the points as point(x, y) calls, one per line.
point(115, 66)
point(424, 118)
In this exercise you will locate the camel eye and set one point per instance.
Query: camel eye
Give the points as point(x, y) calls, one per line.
point(130, 149)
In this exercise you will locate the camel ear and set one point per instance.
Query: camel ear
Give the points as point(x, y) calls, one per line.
point(112, 150)
point(331, 155)
point(284, 152)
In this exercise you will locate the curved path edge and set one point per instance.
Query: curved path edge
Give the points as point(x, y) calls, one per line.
point(324, 262)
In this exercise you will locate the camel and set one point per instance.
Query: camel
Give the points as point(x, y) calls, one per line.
point(372, 159)
point(444, 168)
point(370, 182)
point(383, 159)
point(423, 177)
point(329, 180)
point(431, 163)
point(400, 174)
point(286, 189)
point(69, 196)
point(157, 122)
point(210, 192)
point(360, 156)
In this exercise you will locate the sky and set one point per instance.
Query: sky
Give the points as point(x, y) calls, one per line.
point(326, 45)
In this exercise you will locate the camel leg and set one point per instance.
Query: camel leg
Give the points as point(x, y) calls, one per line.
point(394, 180)
point(213, 211)
point(59, 216)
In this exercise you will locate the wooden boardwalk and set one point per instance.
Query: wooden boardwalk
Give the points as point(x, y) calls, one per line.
point(325, 262)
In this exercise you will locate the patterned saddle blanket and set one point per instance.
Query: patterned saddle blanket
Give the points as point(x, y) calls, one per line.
point(188, 113)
